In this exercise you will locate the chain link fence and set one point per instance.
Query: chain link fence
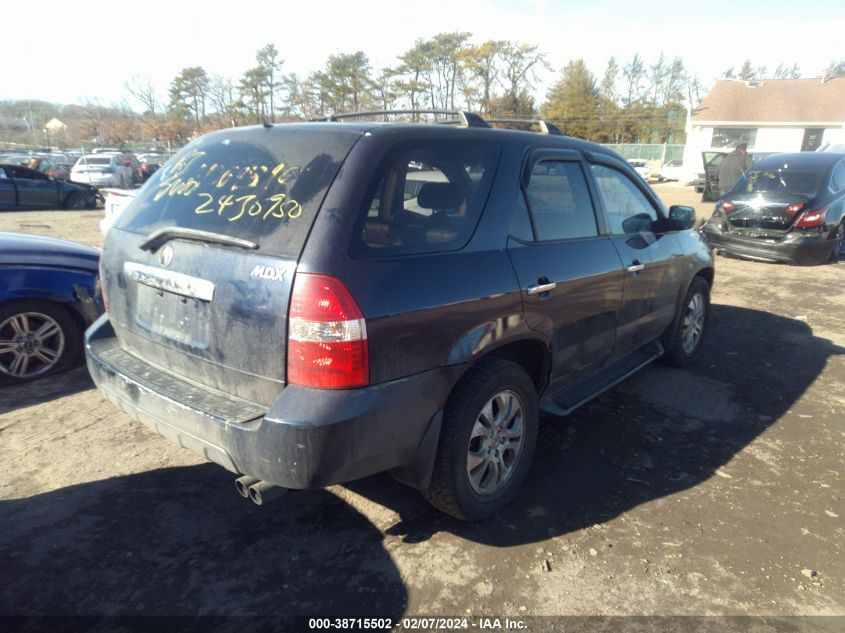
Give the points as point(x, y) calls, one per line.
point(657, 153)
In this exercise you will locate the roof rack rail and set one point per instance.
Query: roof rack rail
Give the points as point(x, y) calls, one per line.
point(546, 127)
point(464, 119)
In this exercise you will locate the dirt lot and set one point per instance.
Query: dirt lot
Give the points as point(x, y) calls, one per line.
point(712, 491)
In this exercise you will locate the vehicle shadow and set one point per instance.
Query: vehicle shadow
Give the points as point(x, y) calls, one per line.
point(661, 432)
point(171, 542)
point(45, 389)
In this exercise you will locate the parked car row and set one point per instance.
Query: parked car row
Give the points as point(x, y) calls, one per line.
point(45, 181)
point(53, 165)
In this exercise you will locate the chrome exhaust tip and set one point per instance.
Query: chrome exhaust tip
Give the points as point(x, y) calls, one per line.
point(243, 484)
point(263, 492)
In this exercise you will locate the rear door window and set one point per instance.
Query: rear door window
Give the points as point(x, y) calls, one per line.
point(560, 202)
point(426, 197)
point(264, 186)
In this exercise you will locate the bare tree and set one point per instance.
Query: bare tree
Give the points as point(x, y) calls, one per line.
point(142, 89)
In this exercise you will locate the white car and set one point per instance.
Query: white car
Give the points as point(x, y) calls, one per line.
point(642, 167)
point(673, 170)
point(116, 202)
point(101, 170)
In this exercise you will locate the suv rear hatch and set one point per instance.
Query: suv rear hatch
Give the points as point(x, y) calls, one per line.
point(198, 270)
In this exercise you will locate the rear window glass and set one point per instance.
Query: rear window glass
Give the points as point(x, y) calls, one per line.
point(426, 197)
point(95, 160)
point(780, 180)
point(261, 185)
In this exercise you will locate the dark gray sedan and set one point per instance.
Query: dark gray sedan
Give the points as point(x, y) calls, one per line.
point(787, 208)
point(25, 188)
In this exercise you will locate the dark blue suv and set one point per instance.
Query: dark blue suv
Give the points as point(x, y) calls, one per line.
point(307, 304)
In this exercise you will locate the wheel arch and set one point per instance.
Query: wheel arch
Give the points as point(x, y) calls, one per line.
point(530, 353)
point(708, 273)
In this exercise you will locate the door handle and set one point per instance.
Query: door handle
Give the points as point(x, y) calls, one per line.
point(635, 267)
point(540, 288)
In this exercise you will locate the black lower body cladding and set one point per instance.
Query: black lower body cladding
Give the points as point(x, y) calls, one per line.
point(791, 248)
point(308, 438)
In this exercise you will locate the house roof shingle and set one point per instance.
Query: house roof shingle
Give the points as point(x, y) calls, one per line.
point(774, 100)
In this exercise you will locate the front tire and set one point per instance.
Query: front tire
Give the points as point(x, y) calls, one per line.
point(486, 443)
point(691, 326)
point(77, 201)
point(37, 338)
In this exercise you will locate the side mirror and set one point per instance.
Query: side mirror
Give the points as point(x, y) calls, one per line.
point(681, 217)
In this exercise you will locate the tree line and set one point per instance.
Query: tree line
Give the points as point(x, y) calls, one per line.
point(631, 101)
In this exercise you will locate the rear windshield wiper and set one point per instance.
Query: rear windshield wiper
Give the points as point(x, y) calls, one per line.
point(161, 236)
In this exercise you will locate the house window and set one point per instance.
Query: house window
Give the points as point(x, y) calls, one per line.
point(730, 137)
point(812, 139)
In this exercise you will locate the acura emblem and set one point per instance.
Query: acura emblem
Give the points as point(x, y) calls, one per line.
point(166, 255)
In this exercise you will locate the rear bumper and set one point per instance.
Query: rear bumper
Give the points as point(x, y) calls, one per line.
point(308, 438)
point(793, 248)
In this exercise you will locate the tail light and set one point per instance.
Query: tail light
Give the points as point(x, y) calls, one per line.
point(727, 206)
point(327, 335)
point(793, 209)
point(811, 219)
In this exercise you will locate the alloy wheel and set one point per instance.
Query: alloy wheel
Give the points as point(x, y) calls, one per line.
point(693, 326)
point(31, 343)
point(496, 443)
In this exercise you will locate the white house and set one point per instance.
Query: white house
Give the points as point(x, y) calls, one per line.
point(771, 115)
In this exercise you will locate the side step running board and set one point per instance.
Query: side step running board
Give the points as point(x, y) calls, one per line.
point(565, 401)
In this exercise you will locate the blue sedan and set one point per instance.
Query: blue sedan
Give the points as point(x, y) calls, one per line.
point(49, 294)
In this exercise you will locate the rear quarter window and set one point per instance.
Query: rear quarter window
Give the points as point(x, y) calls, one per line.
point(262, 185)
point(426, 197)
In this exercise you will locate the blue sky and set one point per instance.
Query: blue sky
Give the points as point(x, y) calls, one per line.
point(87, 49)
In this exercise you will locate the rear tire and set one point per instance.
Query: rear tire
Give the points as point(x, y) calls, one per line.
point(839, 245)
point(486, 443)
point(691, 325)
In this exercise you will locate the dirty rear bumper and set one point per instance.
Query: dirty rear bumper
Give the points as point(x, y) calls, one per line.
point(792, 248)
point(308, 438)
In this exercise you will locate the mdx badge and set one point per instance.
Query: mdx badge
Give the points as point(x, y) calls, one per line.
point(268, 272)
